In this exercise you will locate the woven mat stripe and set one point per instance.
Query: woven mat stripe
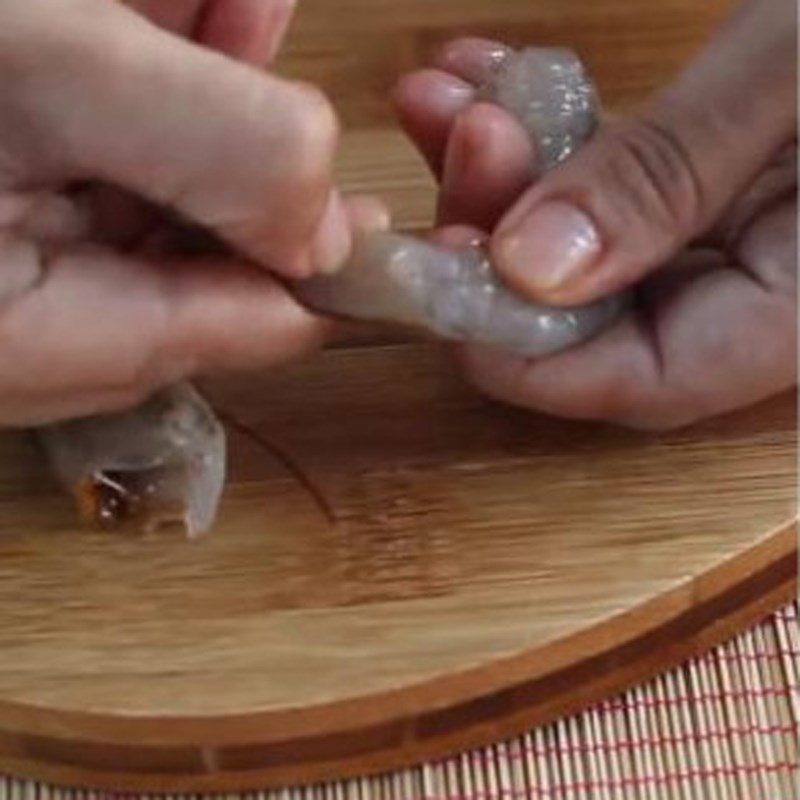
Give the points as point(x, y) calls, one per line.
point(721, 727)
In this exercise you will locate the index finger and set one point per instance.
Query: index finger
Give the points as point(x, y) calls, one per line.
point(110, 97)
point(428, 101)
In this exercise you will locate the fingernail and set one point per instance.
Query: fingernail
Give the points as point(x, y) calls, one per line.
point(553, 246)
point(333, 240)
point(454, 94)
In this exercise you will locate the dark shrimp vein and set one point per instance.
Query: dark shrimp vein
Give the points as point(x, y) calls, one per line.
point(286, 461)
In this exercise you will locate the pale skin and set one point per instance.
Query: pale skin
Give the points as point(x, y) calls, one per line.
point(114, 119)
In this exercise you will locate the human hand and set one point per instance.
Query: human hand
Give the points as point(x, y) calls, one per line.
point(115, 123)
point(694, 196)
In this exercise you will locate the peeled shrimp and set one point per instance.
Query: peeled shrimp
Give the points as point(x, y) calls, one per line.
point(457, 295)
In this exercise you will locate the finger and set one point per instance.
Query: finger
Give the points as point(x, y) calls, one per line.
point(247, 30)
point(642, 188)
point(342, 220)
point(427, 103)
point(593, 381)
point(458, 237)
point(362, 214)
point(244, 154)
point(93, 326)
point(712, 344)
point(489, 164)
point(471, 59)
point(367, 214)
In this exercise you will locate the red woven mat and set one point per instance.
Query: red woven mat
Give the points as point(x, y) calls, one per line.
point(723, 726)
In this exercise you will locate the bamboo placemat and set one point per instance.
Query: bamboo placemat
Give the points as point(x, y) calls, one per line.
point(721, 727)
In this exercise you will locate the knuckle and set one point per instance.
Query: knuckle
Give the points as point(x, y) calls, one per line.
point(657, 173)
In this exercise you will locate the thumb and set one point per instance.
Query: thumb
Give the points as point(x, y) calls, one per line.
point(110, 96)
point(645, 186)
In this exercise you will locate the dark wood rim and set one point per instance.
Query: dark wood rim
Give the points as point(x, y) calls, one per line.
point(422, 722)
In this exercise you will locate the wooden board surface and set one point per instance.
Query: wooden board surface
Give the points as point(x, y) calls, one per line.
point(355, 49)
point(487, 569)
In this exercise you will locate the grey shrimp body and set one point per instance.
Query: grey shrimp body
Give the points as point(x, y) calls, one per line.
point(457, 295)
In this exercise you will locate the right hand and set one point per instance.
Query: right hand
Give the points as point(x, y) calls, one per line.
point(693, 199)
point(115, 123)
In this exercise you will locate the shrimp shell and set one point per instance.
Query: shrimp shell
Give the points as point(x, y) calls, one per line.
point(158, 464)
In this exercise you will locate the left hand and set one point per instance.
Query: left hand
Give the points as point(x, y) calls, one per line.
point(125, 128)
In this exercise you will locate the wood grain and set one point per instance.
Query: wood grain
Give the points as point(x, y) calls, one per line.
point(488, 569)
point(477, 551)
point(356, 49)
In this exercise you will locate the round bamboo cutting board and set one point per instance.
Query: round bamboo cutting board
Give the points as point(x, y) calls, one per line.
point(485, 570)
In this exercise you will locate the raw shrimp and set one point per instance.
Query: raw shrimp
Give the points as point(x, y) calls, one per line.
point(164, 462)
point(158, 464)
point(457, 295)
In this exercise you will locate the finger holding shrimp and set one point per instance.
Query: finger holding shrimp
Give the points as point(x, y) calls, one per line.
point(92, 91)
point(481, 154)
point(249, 31)
point(428, 101)
point(695, 199)
point(119, 126)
